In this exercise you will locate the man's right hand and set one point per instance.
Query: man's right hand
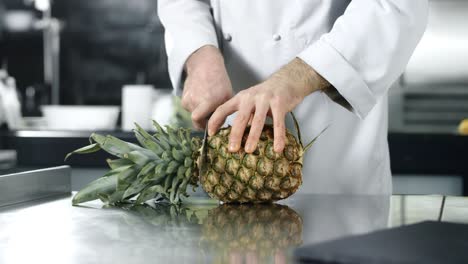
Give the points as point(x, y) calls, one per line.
point(207, 85)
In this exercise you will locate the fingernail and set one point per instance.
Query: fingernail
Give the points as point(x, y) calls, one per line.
point(232, 146)
point(249, 147)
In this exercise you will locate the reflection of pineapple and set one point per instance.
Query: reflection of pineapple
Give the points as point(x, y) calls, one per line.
point(163, 231)
point(165, 163)
point(262, 228)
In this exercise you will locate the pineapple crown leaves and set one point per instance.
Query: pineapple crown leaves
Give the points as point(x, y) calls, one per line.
point(159, 167)
point(299, 136)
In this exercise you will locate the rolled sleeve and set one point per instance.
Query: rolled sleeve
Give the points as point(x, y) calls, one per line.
point(332, 66)
point(188, 26)
point(368, 48)
point(179, 55)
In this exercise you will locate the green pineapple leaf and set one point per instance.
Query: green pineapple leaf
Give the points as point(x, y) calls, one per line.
point(85, 150)
point(149, 193)
point(118, 163)
point(104, 185)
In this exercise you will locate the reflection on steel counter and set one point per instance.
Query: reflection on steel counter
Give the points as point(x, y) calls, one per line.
point(260, 232)
point(198, 232)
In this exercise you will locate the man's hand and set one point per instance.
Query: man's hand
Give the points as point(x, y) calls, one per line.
point(207, 85)
point(275, 97)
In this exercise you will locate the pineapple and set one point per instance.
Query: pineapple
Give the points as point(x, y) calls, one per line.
point(166, 163)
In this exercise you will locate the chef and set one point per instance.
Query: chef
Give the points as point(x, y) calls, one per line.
point(331, 61)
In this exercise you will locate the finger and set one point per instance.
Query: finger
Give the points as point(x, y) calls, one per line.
point(280, 257)
point(238, 128)
point(251, 258)
point(186, 101)
point(219, 115)
point(201, 113)
point(279, 128)
point(256, 128)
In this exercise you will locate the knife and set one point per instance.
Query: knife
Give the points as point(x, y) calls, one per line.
point(203, 153)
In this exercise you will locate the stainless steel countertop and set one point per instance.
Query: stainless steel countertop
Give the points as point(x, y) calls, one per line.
point(53, 231)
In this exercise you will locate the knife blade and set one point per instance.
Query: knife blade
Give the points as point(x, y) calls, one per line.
point(203, 153)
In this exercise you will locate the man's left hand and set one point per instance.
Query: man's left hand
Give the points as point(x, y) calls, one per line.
point(275, 97)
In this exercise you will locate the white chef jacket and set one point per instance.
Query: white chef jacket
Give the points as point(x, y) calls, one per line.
point(361, 47)
point(329, 217)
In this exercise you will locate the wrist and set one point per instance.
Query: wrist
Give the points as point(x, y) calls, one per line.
point(205, 57)
point(301, 78)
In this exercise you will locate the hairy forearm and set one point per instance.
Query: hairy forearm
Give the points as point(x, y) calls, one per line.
point(300, 77)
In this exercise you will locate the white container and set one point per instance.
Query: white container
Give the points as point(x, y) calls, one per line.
point(163, 107)
point(137, 106)
point(61, 117)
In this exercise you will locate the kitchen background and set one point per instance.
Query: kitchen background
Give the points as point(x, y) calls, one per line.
point(84, 52)
point(104, 45)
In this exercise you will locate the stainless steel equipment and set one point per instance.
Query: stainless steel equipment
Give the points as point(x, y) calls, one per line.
point(32, 185)
point(7, 159)
point(51, 28)
point(10, 108)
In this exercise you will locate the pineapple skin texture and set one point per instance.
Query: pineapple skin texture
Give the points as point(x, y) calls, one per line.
point(263, 176)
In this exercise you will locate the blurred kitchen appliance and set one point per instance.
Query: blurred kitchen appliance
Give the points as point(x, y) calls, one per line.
point(433, 96)
point(35, 96)
point(10, 107)
point(18, 20)
point(7, 159)
point(51, 28)
point(92, 118)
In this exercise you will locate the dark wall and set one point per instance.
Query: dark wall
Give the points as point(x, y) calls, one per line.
point(105, 44)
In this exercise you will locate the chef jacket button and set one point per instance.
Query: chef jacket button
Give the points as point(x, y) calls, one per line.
point(227, 37)
point(276, 37)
